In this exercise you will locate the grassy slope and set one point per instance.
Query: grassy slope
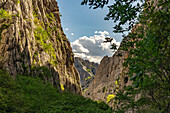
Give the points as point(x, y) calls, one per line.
point(32, 95)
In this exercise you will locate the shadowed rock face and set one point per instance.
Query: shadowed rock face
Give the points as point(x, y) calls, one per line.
point(87, 70)
point(34, 38)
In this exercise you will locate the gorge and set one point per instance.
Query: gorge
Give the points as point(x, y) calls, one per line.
point(39, 73)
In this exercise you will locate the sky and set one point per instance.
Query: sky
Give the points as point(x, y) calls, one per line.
point(86, 29)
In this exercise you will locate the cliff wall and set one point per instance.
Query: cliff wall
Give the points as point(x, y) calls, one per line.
point(87, 70)
point(32, 42)
point(109, 75)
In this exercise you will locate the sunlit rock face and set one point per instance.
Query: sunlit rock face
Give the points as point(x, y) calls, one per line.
point(87, 71)
point(34, 38)
point(110, 75)
point(109, 70)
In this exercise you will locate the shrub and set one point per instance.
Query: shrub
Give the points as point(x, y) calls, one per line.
point(11, 99)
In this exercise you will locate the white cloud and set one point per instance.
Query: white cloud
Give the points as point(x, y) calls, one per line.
point(92, 48)
point(78, 47)
point(96, 32)
point(66, 29)
point(72, 34)
point(102, 32)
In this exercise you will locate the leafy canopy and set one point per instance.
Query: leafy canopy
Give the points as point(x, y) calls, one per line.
point(149, 53)
point(121, 11)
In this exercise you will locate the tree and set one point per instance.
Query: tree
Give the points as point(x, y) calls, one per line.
point(10, 97)
point(121, 11)
point(148, 62)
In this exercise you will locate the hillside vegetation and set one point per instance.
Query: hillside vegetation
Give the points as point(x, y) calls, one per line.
point(30, 95)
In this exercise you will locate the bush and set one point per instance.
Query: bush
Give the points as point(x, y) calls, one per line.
point(30, 94)
point(11, 99)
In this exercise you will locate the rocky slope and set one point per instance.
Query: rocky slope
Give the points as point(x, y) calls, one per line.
point(87, 70)
point(109, 75)
point(32, 42)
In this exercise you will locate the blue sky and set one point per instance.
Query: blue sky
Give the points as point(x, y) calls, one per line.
point(79, 21)
point(83, 21)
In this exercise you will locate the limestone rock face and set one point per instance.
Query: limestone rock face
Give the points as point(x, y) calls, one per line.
point(87, 70)
point(33, 38)
point(105, 81)
point(111, 72)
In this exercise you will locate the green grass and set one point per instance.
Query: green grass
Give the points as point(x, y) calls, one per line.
point(4, 15)
point(31, 95)
point(18, 2)
point(88, 78)
point(42, 37)
point(89, 70)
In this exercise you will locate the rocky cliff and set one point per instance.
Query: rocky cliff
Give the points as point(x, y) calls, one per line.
point(32, 42)
point(109, 75)
point(87, 70)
